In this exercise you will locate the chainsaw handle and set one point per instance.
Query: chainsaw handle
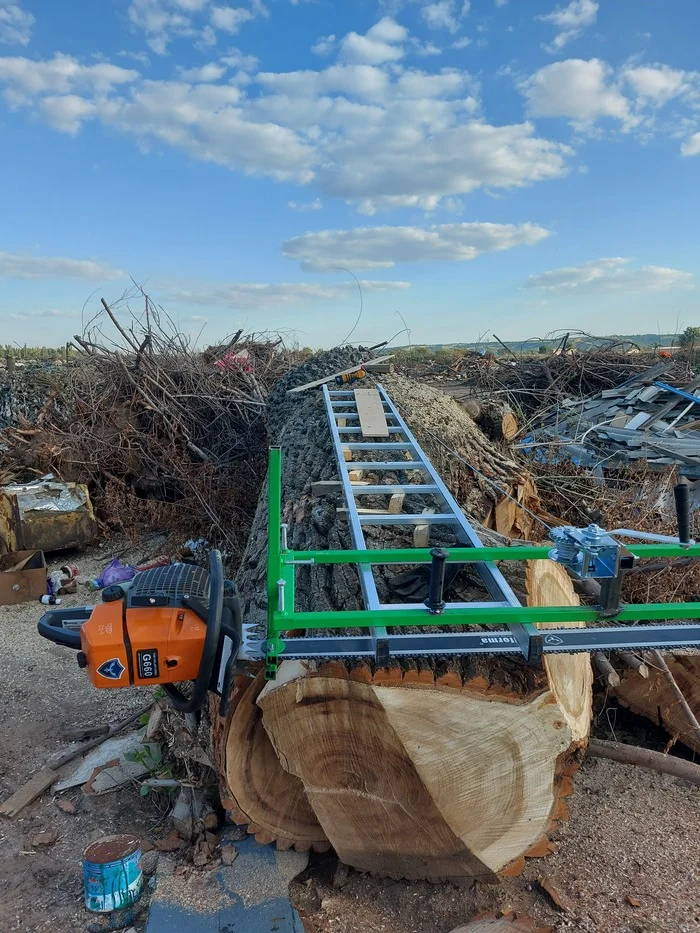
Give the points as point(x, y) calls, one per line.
point(211, 642)
point(681, 496)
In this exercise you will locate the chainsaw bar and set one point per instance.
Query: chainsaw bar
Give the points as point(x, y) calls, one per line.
point(558, 641)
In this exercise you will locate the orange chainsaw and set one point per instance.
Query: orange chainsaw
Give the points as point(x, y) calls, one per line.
point(172, 624)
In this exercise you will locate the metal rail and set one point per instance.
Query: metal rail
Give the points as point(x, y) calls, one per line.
point(557, 634)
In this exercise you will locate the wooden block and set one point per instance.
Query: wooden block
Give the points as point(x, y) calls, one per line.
point(396, 503)
point(355, 476)
point(379, 367)
point(347, 455)
point(342, 422)
point(421, 533)
point(371, 412)
point(34, 787)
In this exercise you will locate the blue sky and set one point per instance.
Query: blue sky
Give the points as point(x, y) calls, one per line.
point(510, 165)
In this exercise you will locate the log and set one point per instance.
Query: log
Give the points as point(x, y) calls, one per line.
point(656, 699)
point(497, 420)
point(645, 758)
point(428, 769)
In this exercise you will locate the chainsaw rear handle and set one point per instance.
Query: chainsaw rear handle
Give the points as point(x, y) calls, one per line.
point(62, 626)
point(198, 697)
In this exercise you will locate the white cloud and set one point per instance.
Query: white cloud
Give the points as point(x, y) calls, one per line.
point(583, 91)
point(48, 313)
point(67, 112)
point(383, 247)
point(21, 266)
point(324, 45)
point(378, 137)
point(610, 276)
point(230, 19)
point(461, 43)
point(304, 206)
point(445, 14)
point(203, 75)
point(657, 83)
point(691, 147)
point(245, 296)
point(234, 58)
point(381, 43)
point(197, 20)
point(15, 23)
point(571, 20)
point(62, 74)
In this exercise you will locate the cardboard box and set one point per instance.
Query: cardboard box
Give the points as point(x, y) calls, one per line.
point(22, 577)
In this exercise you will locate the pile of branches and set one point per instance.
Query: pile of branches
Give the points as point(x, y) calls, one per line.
point(166, 436)
point(533, 384)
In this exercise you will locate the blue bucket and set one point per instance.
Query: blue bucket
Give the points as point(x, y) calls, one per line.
point(112, 873)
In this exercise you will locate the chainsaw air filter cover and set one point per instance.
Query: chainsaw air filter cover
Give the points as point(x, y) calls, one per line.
point(165, 586)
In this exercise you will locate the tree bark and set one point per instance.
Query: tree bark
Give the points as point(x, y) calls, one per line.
point(433, 768)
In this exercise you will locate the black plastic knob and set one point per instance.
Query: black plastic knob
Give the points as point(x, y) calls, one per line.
point(82, 659)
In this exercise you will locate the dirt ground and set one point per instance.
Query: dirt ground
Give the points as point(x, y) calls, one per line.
point(629, 857)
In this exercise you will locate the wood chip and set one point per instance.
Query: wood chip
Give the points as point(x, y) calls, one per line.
point(228, 854)
point(45, 838)
point(66, 805)
point(170, 843)
point(632, 901)
point(558, 899)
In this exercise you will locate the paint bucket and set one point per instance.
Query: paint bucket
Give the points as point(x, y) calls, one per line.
point(112, 873)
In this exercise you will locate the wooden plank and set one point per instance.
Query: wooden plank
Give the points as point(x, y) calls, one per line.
point(371, 411)
point(22, 797)
point(332, 376)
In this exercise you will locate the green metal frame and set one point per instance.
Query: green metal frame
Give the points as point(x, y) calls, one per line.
point(281, 569)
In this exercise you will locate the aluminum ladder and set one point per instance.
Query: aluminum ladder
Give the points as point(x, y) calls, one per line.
point(341, 406)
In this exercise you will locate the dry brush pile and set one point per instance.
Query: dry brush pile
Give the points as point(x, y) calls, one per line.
point(166, 436)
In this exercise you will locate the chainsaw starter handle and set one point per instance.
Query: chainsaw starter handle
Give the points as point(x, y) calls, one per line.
point(211, 642)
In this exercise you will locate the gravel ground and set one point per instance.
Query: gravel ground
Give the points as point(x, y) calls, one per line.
point(43, 691)
point(632, 834)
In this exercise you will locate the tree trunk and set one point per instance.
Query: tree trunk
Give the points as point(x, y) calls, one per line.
point(434, 768)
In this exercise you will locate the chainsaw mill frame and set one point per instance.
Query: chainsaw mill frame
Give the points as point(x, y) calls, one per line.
point(286, 627)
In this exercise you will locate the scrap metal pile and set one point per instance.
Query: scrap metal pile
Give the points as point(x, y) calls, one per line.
point(166, 436)
point(643, 418)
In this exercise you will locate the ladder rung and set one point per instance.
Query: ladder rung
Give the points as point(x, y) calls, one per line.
point(392, 430)
point(351, 404)
point(425, 518)
point(392, 490)
point(379, 445)
point(354, 416)
point(385, 465)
